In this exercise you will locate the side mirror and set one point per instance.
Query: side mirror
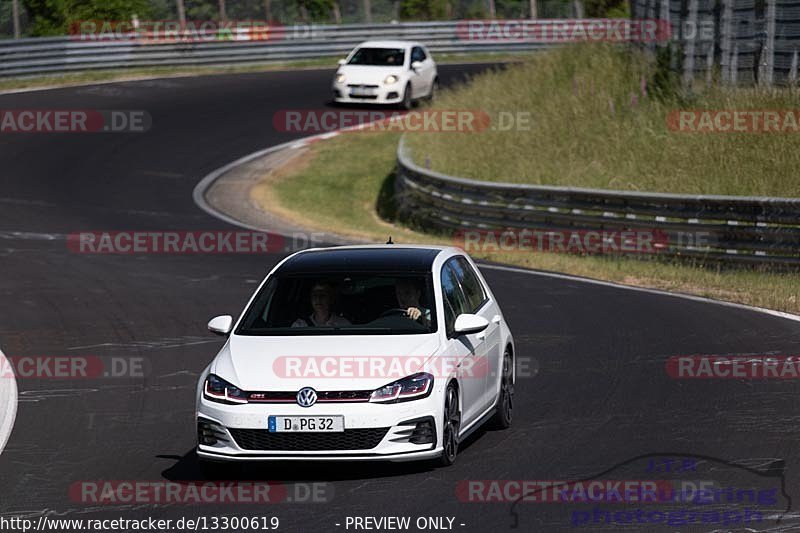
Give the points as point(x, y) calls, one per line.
point(467, 324)
point(222, 325)
point(416, 65)
point(342, 62)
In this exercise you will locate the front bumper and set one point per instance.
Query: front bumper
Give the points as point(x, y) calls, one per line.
point(372, 432)
point(382, 94)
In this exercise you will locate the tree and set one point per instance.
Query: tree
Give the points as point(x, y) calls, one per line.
point(423, 9)
point(311, 10)
point(606, 8)
point(367, 11)
point(15, 17)
point(57, 17)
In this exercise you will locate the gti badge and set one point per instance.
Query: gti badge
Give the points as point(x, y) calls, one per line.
point(306, 397)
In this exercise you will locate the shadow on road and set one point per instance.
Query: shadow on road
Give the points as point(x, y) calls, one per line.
point(188, 468)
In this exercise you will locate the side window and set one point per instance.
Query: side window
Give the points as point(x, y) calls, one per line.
point(449, 317)
point(417, 54)
point(470, 284)
point(454, 300)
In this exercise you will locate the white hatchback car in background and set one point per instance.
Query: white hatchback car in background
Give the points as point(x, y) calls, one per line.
point(386, 72)
point(382, 352)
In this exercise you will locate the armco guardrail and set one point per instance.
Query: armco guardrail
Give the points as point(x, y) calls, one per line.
point(75, 53)
point(718, 229)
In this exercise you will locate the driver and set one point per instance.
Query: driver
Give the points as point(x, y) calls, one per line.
point(323, 296)
point(408, 294)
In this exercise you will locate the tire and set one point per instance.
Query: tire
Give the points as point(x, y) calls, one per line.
point(407, 103)
point(434, 90)
point(450, 426)
point(505, 398)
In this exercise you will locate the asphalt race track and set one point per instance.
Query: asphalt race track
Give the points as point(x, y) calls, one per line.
point(595, 401)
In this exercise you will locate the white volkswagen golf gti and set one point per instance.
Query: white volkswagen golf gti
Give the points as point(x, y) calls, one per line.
point(382, 352)
point(386, 72)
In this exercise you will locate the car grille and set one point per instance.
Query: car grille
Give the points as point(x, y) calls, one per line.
point(350, 439)
point(322, 396)
point(371, 96)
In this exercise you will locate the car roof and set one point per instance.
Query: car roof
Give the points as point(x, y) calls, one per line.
point(388, 44)
point(385, 257)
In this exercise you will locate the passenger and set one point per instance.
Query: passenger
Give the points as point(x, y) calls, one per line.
point(323, 297)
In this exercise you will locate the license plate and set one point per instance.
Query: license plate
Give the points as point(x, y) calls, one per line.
point(362, 91)
point(305, 424)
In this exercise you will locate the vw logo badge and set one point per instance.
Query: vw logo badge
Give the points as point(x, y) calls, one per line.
point(306, 397)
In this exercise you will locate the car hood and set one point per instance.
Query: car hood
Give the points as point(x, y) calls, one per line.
point(368, 75)
point(326, 363)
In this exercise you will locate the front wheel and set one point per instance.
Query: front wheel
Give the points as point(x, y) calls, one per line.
point(505, 400)
point(407, 102)
point(450, 427)
point(434, 90)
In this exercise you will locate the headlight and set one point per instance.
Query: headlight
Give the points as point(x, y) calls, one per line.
point(340, 78)
point(217, 389)
point(390, 79)
point(410, 388)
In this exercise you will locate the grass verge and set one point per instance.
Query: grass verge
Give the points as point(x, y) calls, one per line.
point(350, 196)
point(599, 118)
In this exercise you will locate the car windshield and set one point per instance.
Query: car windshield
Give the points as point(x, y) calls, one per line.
point(384, 57)
point(370, 303)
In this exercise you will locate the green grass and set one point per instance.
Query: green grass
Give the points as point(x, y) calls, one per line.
point(349, 188)
point(575, 141)
point(344, 195)
point(594, 124)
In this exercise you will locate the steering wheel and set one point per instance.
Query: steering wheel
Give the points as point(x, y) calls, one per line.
point(395, 311)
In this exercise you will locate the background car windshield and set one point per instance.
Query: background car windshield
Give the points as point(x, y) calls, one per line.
point(342, 304)
point(384, 57)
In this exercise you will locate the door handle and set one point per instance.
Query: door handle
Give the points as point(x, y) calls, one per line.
point(496, 319)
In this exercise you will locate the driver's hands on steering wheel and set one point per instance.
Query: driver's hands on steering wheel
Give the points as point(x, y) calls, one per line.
point(413, 313)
